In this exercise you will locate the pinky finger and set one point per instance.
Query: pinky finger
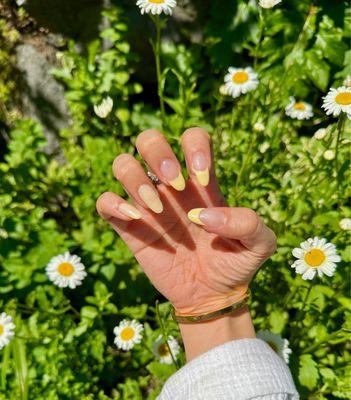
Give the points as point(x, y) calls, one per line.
point(109, 205)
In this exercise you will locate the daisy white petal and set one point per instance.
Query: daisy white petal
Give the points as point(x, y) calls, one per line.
point(277, 344)
point(345, 224)
point(7, 329)
point(268, 3)
point(66, 271)
point(240, 81)
point(156, 7)
point(163, 352)
point(128, 333)
point(298, 110)
point(297, 252)
point(337, 101)
point(315, 255)
point(103, 109)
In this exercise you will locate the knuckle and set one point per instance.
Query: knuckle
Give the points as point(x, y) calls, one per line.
point(122, 164)
point(272, 246)
point(190, 132)
point(252, 221)
point(147, 138)
point(101, 201)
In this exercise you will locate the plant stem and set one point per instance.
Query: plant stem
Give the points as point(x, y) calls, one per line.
point(307, 294)
point(157, 53)
point(311, 12)
point(232, 121)
point(339, 128)
point(258, 46)
point(164, 333)
point(325, 341)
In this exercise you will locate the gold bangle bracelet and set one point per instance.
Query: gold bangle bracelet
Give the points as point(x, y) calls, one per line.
point(193, 319)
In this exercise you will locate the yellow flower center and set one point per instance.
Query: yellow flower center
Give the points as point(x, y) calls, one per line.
point(343, 98)
point(240, 77)
point(65, 269)
point(1, 329)
point(127, 333)
point(299, 106)
point(157, 1)
point(163, 350)
point(314, 257)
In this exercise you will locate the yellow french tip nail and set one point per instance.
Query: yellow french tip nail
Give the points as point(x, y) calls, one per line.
point(194, 214)
point(178, 183)
point(203, 177)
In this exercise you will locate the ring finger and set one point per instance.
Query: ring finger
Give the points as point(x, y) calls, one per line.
point(135, 181)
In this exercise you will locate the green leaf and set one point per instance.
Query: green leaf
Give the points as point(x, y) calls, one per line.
point(308, 372)
point(317, 69)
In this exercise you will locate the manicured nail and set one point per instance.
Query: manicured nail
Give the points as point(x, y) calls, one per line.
point(170, 171)
point(194, 216)
point(213, 218)
point(200, 168)
point(149, 195)
point(129, 211)
point(203, 216)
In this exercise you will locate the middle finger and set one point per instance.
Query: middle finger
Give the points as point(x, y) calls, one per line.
point(157, 153)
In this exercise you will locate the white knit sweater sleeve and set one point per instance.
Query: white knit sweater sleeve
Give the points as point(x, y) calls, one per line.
point(238, 370)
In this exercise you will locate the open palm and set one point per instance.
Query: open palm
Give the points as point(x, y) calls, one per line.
point(199, 268)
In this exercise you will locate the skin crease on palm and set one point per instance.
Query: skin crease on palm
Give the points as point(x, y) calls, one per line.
point(197, 270)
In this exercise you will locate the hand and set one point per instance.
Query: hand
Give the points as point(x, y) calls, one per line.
point(202, 266)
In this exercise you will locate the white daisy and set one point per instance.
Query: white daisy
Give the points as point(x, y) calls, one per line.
point(264, 147)
point(156, 7)
point(315, 256)
point(161, 350)
point(320, 134)
point(66, 270)
point(337, 101)
point(240, 81)
point(259, 127)
point(103, 109)
point(329, 155)
point(7, 328)
point(128, 333)
point(298, 110)
point(269, 3)
point(277, 343)
point(345, 224)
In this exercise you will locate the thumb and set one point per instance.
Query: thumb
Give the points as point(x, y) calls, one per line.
point(237, 223)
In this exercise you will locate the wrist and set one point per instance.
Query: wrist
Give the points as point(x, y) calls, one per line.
point(199, 338)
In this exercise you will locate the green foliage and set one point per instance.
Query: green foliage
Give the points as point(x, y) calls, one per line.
point(64, 338)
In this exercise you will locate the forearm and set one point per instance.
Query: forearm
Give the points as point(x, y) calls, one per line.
point(201, 337)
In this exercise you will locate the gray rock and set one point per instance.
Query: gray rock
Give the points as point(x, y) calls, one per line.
point(43, 98)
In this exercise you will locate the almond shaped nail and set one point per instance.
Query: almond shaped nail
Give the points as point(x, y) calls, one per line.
point(194, 216)
point(178, 183)
point(150, 197)
point(203, 177)
point(129, 211)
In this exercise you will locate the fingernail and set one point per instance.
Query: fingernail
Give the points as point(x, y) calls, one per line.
point(129, 211)
point(170, 171)
point(194, 215)
point(200, 168)
point(211, 218)
point(150, 197)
